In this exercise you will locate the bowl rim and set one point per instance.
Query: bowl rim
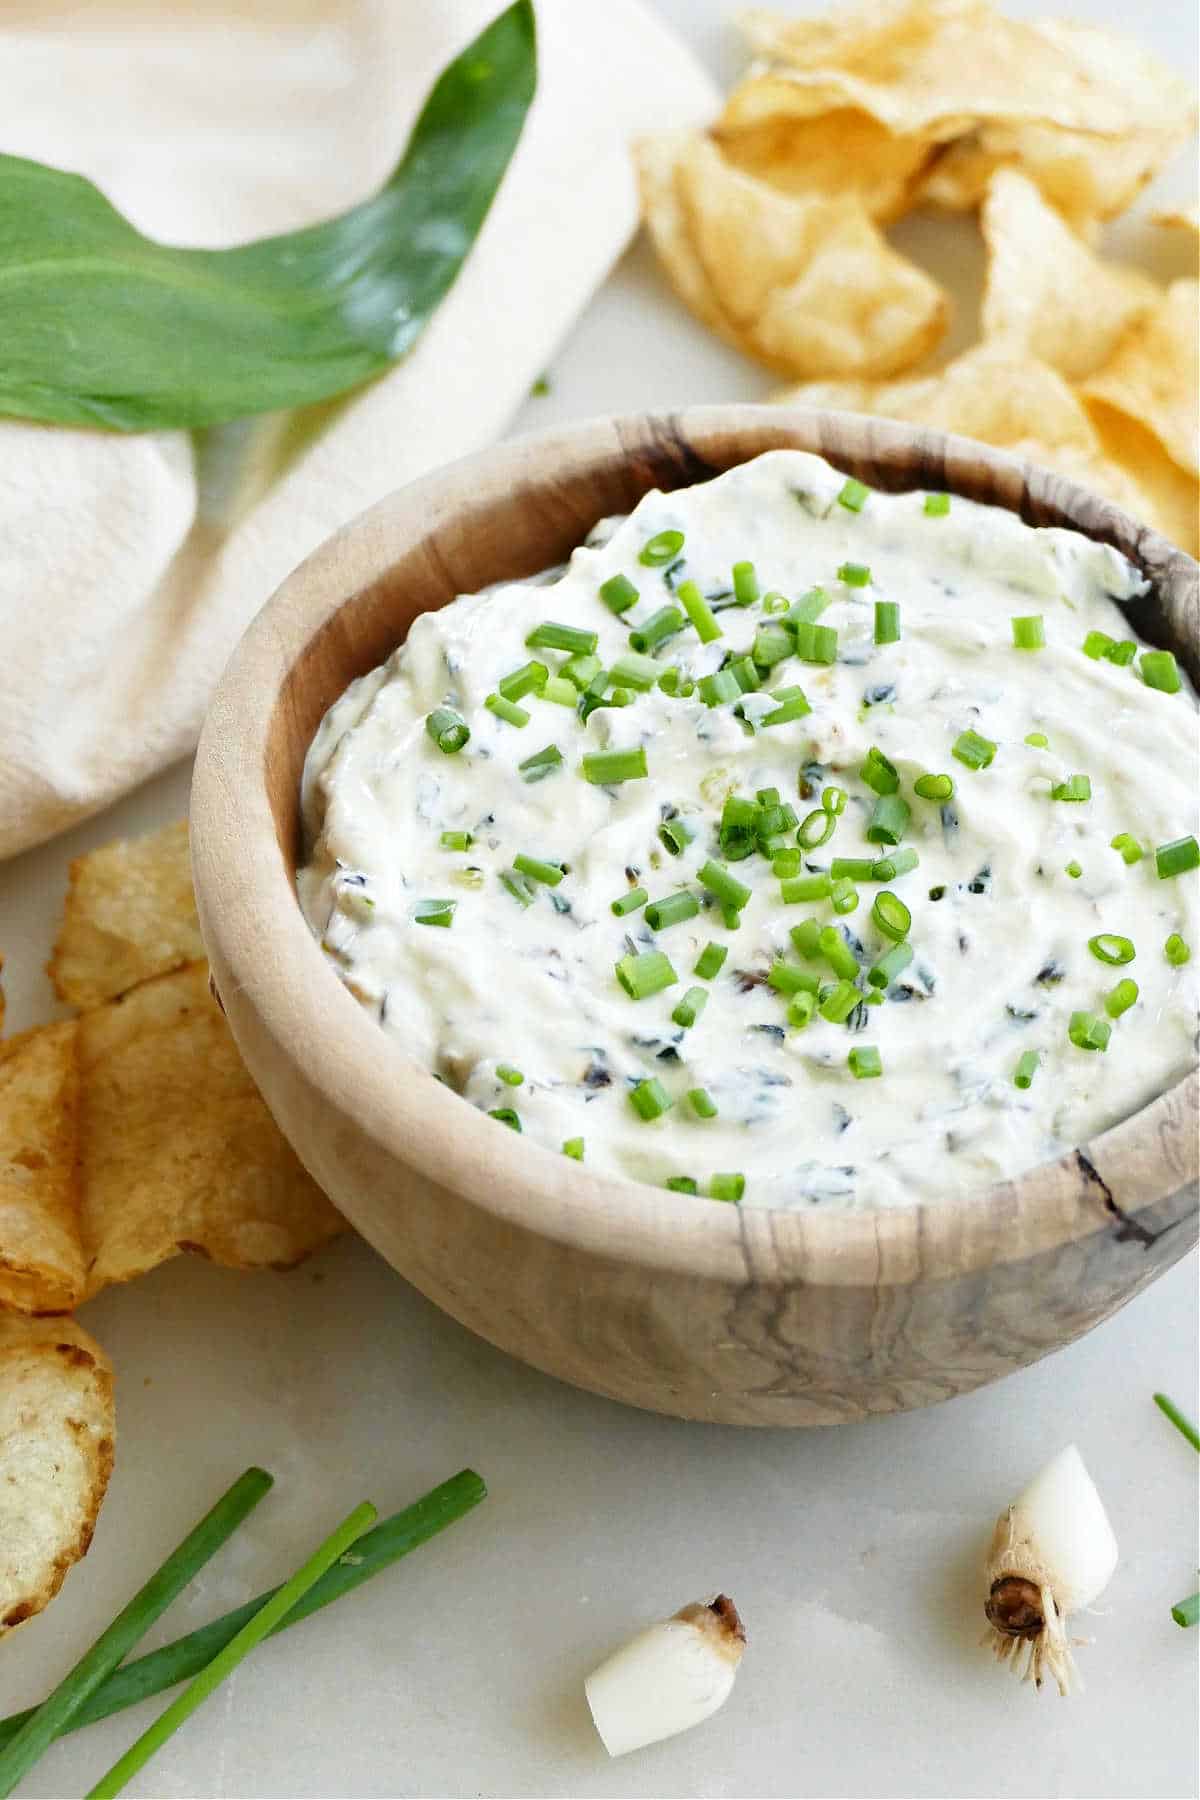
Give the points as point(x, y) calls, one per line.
point(256, 933)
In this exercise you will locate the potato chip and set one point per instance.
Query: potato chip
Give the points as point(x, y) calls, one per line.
point(1185, 218)
point(1174, 495)
point(177, 1148)
point(1046, 293)
point(840, 154)
point(806, 285)
point(42, 1266)
point(1153, 377)
point(56, 1452)
point(130, 914)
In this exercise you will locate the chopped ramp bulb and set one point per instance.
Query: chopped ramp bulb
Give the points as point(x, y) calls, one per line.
point(668, 1678)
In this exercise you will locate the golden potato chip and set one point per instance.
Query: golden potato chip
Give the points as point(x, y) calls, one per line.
point(1173, 505)
point(41, 1255)
point(840, 154)
point(1046, 294)
point(1153, 377)
point(808, 286)
point(177, 1149)
point(1185, 218)
point(56, 1451)
point(130, 914)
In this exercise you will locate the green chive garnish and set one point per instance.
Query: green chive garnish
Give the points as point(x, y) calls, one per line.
point(806, 936)
point(673, 910)
point(772, 644)
point(630, 902)
point(1087, 1031)
point(975, 751)
point(573, 1147)
point(854, 495)
point(549, 873)
point(1187, 1612)
point(1160, 670)
point(937, 505)
point(702, 1103)
point(609, 766)
point(727, 888)
point(541, 763)
point(551, 636)
point(844, 896)
point(898, 863)
point(807, 608)
point(1074, 870)
point(1097, 644)
point(661, 549)
point(837, 952)
point(786, 978)
point(1038, 740)
point(635, 671)
point(1075, 787)
point(519, 886)
point(650, 1099)
point(682, 1184)
point(1177, 857)
point(785, 864)
point(934, 787)
point(745, 583)
point(690, 1007)
point(1131, 851)
point(618, 593)
point(715, 689)
point(506, 1116)
point(675, 835)
point(645, 973)
point(865, 1062)
point(508, 1075)
point(815, 643)
point(833, 799)
point(891, 916)
point(1029, 633)
point(1179, 1420)
point(698, 611)
point(434, 912)
point(775, 602)
point(890, 966)
point(887, 622)
point(655, 630)
point(1123, 653)
point(1107, 947)
point(727, 1187)
point(745, 674)
point(448, 729)
point(581, 671)
point(523, 680)
point(805, 887)
point(852, 868)
point(801, 1008)
point(793, 704)
point(854, 574)
point(1177, 951)
point(888, 821)
point(506, 710)
point(839, 1002)
point(816, 828)
point(1121, 998)
point(880, 775)
point(456, 840)
point(710, 961)
point(1028, 1064)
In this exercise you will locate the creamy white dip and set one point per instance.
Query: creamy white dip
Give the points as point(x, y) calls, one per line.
point(1011, 883)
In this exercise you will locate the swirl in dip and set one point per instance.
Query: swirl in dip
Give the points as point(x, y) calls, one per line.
point(906, 774)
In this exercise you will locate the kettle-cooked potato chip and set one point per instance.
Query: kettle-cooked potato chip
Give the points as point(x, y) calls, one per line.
point(1186, 218)
point(1153, 377)
point(1046, 293)
point(839, 154)
point(41, 1253)
point(56, 1451)
point(130, 914)
point(806, 285)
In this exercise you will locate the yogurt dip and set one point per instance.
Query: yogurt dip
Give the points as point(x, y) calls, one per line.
point(906, 767)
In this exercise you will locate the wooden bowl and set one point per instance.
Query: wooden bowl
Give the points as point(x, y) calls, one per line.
point(734, 1314)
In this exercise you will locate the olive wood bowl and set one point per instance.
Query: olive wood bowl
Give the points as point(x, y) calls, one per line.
point(718, 1312)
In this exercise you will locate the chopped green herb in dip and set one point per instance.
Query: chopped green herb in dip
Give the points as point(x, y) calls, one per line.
point(731, 757)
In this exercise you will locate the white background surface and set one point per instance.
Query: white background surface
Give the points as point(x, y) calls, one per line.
point(853, 1553)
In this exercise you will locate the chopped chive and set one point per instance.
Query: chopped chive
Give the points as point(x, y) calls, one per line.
point(549, 635)
point(1123, 653)
point(715, 689)
point(645, 973)
point(690, 1007)
point(1187, 1612)
point(837, 952)
point(786, 978)
point(456, 840)
point(650, 1099)
point(892, 964)
point(839, 1002)
point(1038, 740)
point(1177, 950)
point(801, 1008)
point(727, 888)
point(580, 671)
point(900, 862)
point(1179, 1420)
point(506, 710)
point(745, 583)
point(660, 626)
point(506, 1116)
point(540, 764)
point(854, 574)
point(805, 887)
point(1177, 857)
point(745, 674)
point(1087, 1031)
point(891, 916)
point(816, 643)
point(630, 902)
point(573, 1147)
point(448, 729)
point(635, 671)
point(852, 868)
point(675, 835)
point(934, 787)
point(864, 1062)
point(508, 1075)
point(434, 912)
point(727, 1187)
point(879, 773)
point(1075, 787)
point(887, 622)
point(806, 936)
point(559, 691)
point(519, 682)
point(549, 873)
point(661, 549)
point(1131, 851)
point(739, 832)
point(1074, 870)
point(772, 644)
point(844, 896)
point(702, 1103)
point(873, 997)
point(1107, 947)
point(618, 593)
point(519, 886)
point(698, 611)
point(1029, 633)
point(1097, 644)
point(1028, 1064)
point(854, 495)
point(888, 821)
point(807, 609)
point(975, 751)
point(833, 799)
point(1160, 670)
point(793, 704)
point(816, 828)
point(1121, 998)
point(937, 505)
point(673, 910)
point(607, 766)
point(775, 602)
point(710, 961)
point(682, 1184)
point(785, 864)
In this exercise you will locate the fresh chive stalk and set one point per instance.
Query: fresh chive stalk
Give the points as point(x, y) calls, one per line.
point(887, 622)
point(839, 1002)
point(573, 1147)
point(879, 773)
point(1179, 1420)
point(865, 1062)
point(854, 574)
point(650, 1099)
point(974, 751)
point(815, 643)
point(505, 1115)
point(434, 912)
point(1130, 850)
point(603, 767)
point(816, 828)
point(898, 862)
point(729, 1186)
point(508, 1075)
point(448, 729)
point(833, 800)
point(673, 910)
point(888, 821)
point(1028, 1064)
point(661, 549)
point(645, 973)
point(726, 887)
point(891, 916)
point(1076, 788)
point(843, 895)
point(854, 495)
point(1087, 1031)
point(1177, 857)
point(710, 961)
point(550, 635)
point(801, 1008)
point(1029, 633)
point(702, 1103)
point(522, 681)
point(786, 978)
point(618, 593)
point(698, 611)
point(543, 762)
point(549, 873)
point(655, 630)
point(793, 704)
point(690, 1007)
point(630, 902)
point(1109, 947)
point(934, 787)
point(837, 953)
point(937, 505)
point(508, 710)
point(1160, 670)
point(803, 888)
point(1121, 998)
point(1177, 950)
point(456, 840)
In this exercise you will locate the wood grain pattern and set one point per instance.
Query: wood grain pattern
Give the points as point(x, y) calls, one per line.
point(711, 1312)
